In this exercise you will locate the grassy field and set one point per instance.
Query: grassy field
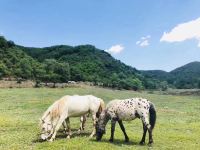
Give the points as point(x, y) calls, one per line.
point(178, 122)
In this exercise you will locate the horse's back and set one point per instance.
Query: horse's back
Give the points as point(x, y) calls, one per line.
point(112, 103)
point(79, 105)
point(127, 109)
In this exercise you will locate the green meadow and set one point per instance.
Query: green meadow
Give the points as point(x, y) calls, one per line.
point(177, 127)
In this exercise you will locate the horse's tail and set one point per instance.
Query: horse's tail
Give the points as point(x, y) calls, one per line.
point(152, 112)
point(101, 108)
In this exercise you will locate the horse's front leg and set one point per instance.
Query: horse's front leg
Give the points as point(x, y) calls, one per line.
point(64, 126)
point(94, 125)
point(69, 128)
point(113, 122)
point(123, 130)
point(59, 123)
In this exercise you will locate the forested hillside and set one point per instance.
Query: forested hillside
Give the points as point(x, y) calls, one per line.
point(185, 77)
point(63, 63)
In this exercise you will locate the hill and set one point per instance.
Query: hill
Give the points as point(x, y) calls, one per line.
point(63, 63)
point(16, 63)
point(88, 63)
point(187, 76)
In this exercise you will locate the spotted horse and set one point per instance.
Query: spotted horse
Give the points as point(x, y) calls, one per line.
point(126, 110)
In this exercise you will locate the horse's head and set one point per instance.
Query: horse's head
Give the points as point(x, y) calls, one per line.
point(46, 128)
point(101, 124)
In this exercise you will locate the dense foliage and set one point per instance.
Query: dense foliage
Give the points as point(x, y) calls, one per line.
point(185, 77)
point(86, 63)
point(63, 63)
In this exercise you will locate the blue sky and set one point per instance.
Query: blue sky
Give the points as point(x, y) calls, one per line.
point(131, 30)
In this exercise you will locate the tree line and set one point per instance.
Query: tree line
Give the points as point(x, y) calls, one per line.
point(62, 63)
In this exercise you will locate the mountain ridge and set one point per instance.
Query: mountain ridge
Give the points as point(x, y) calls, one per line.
point(62, 63)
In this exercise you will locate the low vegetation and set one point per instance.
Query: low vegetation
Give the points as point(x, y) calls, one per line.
point(177, 125)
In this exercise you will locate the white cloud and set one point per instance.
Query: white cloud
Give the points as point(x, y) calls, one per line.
point(144, 41)
point(115, 49)
point(184, 31)
point(145, 37)
point(138, 42)
point(199, 43)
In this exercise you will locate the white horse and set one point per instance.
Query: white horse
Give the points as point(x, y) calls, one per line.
point(128, 109)
point(66, 107)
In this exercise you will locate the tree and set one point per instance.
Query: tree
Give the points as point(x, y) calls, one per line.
point(3, 42)
point(24, 69)
point(56, 71)
point(3, 70)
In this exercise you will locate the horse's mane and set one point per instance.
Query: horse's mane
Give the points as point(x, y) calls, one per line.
point(47, 112)
point(101, 108)
point(54, 109)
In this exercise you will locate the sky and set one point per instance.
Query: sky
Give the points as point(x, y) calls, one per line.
point(147, 35)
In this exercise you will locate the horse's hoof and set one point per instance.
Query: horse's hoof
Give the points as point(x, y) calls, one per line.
point(91, 136)
point(142, 143)
point(111, 140)
point(126, 140)
point(150, 143)
point(79, 132)
point(68, 137)
point(50, 140)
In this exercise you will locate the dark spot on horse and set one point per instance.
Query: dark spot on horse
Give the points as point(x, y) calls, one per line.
point(138, 103)
point(144, 107)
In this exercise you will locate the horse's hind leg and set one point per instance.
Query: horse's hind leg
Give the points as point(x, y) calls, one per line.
point(123, 130)
point(144, 134)
point(83, 122)
point(148, 127)
point(150, 136)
